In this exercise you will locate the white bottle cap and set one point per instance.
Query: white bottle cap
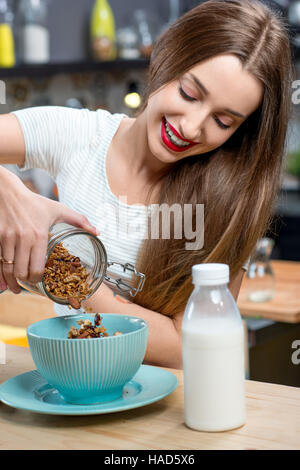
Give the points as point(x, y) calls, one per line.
point(210, 274)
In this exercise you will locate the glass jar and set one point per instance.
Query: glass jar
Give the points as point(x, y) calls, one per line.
point(147, 28)
point(128, 43)
point(93, 257)
point(260, 282)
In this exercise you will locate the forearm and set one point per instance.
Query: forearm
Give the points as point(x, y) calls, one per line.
point(12, 143)
point(164, 341)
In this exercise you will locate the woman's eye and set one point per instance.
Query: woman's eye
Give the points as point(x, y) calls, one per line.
point(185, 95)
point(190, 98)
point(221, 124)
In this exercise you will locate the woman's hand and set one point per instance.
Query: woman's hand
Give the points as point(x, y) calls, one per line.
point(25, 219)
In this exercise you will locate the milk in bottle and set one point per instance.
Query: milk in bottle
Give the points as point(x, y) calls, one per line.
point(213, 353)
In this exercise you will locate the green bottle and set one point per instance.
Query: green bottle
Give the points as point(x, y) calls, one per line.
point(103, 32)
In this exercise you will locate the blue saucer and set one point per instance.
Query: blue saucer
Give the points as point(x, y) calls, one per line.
point(31, 392)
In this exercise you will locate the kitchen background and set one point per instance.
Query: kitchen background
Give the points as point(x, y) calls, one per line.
point(48, 56)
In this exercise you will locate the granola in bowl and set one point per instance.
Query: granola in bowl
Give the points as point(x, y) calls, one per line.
point(88, 330)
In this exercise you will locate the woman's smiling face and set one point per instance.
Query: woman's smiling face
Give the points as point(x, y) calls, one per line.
point(200, 111)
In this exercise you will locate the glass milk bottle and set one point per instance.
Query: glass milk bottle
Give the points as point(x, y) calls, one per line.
point(213, 353)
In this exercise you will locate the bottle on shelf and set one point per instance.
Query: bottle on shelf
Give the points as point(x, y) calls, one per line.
point(7, 43)
point(127, 43)
point(213, 353)
point(103, 33)
point(148, 27)
point(34, 37)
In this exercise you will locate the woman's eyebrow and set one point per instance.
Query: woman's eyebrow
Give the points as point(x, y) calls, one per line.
point(206, 92)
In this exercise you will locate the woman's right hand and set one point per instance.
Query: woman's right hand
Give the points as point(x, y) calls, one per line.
point(25, 219)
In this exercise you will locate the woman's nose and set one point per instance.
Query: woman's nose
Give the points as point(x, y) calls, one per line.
point(189, 133)
point(192, 127)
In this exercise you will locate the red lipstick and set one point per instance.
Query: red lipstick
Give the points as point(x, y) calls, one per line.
point(168, 142)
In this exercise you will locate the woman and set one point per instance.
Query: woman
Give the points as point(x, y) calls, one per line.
point(212, 131)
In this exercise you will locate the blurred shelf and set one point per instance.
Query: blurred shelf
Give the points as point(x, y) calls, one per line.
point(288, 205)
point(50, 69)
point(290, 183)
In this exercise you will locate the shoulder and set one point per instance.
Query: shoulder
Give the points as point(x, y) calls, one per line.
point(60, 116)
point(107, 122)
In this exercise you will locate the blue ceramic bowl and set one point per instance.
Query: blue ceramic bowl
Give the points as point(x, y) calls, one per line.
point(93, 370)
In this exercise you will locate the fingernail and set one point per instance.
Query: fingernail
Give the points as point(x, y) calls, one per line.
point(94, 230)
point(3, 286)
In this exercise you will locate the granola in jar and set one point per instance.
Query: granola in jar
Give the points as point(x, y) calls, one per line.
point(65, 277)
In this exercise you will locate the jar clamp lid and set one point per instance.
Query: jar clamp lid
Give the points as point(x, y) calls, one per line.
point(121, 284)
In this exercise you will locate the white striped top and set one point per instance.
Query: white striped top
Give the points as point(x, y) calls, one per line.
point(71, 145)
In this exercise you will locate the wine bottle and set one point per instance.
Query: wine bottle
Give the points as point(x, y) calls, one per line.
point(103, 33)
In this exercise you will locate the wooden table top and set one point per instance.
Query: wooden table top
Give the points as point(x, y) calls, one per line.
point(273, 421)
point(285, 306)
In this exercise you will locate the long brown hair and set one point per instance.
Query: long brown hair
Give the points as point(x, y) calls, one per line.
point(238, 182)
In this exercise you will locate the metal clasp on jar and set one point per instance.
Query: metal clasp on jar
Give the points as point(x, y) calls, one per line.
point(121, 284)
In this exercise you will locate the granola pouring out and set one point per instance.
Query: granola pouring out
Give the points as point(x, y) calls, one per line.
point(65, 277)
point(88, 330)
